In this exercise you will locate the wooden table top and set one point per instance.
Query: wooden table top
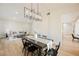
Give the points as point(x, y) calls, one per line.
point(38, 41)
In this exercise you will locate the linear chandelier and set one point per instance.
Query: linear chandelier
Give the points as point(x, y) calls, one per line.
point(31, 14)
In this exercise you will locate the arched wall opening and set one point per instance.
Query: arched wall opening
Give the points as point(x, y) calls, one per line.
point(68, 25)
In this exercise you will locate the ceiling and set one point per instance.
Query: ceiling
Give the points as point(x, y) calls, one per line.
point(15, 11)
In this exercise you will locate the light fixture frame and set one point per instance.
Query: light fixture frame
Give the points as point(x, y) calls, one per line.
point(31, 14)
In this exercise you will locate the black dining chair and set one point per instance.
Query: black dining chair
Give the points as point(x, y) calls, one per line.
point(32, 49)
point(74, 37)
point(24, 44)
point(52, 51)
point(28, 46)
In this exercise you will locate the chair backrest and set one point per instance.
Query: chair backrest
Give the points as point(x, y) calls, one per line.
point(73, 35)
point(57, 47)
point(26, 43)
point(44, 36)
point(23, 41)
point(54, 52)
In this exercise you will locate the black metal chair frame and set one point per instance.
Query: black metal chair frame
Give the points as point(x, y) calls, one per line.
point(29, 46)
point(53, 52)
point(74, 37)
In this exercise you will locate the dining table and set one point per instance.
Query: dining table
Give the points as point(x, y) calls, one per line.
point(41, 43)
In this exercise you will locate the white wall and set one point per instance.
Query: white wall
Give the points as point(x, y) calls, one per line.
point(2, 27)
point(12, 17)
point(54, 26)
point(9, 25)
point(40, 27)
point(76, 29)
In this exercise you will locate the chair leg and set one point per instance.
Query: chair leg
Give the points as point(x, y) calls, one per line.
point(24, 52)
point(32, 54)
point(45, 52)
point(23, 49)
point(73, 39)
point(37, 52)
point(27, 53)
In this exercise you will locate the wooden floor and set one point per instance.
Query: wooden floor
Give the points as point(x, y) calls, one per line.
point(69, 47)
point(10, 47)
point(14, 47)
